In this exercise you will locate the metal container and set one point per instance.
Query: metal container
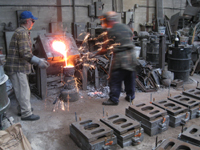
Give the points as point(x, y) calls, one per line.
point(153, 53)
point(70, 91)
point(4, 100)
point(68, 71)
point(179, 62)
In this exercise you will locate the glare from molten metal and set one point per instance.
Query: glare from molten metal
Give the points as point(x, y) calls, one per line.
point(69, 66)
point(60, 47)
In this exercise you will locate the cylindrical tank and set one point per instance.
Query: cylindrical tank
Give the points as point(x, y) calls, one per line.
point(68, 71)
point(153, 53)
point(70, 92)
point(179, 61)
point(4, 100)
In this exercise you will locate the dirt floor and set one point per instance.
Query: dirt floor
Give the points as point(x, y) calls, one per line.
point(51, 132)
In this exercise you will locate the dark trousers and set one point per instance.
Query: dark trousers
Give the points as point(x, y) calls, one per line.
point(115, 82)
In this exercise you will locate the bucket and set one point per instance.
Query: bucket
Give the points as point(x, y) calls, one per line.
point(4, 100)
point(137, 50)
point(184, 40)
point(153, 53)
point(161, 30)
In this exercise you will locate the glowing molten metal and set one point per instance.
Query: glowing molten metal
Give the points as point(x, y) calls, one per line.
point(60, 47)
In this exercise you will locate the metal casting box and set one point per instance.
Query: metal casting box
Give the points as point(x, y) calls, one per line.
point(193, 93)
point(90, 135)
point(128, 131)
point(178, 114)
point(153, 119)
point(191, 103)
point(175, 144)
point(191, 135)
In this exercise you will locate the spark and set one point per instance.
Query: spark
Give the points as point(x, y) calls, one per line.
point(81, 48)
point(113, 45)
point(60, 105)
point(86, 37)
point(68, 102)
point(80, 34)
point(76, 84)
point(101, 35)
point(101, 43)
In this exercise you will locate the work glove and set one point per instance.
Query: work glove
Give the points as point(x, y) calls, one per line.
point(42, 63)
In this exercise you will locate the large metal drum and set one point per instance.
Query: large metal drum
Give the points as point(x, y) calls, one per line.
point(179, 62)
point(4, 100)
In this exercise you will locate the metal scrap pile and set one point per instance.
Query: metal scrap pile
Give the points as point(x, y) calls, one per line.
point(94, 70)
point(148, 79)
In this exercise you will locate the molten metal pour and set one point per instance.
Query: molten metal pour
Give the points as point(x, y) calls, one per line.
point(70, 91)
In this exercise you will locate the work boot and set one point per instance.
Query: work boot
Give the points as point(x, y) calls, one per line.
point(31, 118)
point(128, 98)
point(19, 113)
point(109, 102)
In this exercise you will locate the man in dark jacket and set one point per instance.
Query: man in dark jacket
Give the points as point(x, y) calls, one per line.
point(124, 59)
point(18, 65)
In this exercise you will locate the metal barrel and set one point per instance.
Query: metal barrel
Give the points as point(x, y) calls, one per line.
point(4, 100)
point(153, 53)
point(68, 71)
point(179, 62)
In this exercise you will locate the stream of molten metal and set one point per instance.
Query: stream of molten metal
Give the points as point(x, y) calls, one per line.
point(60, 47)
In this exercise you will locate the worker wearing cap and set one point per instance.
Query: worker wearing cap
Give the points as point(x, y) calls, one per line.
point(124, 59)
point(18, 65)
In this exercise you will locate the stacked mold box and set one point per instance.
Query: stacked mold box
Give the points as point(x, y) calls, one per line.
point(193, 93)
point(174, 144)
point(191, 135)
point(178, 114)
point(128, 131)
point(151, 118)
point(154, 120)
point(191, 103)
point(92, 135)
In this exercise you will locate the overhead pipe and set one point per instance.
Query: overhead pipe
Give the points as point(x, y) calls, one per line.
point(42, 5)
point(144, 6)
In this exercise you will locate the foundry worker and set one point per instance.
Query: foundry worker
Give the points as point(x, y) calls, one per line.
point(124, 59)
point(18, 65)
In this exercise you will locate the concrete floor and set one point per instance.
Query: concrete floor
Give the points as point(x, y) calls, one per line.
point(51, 132)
